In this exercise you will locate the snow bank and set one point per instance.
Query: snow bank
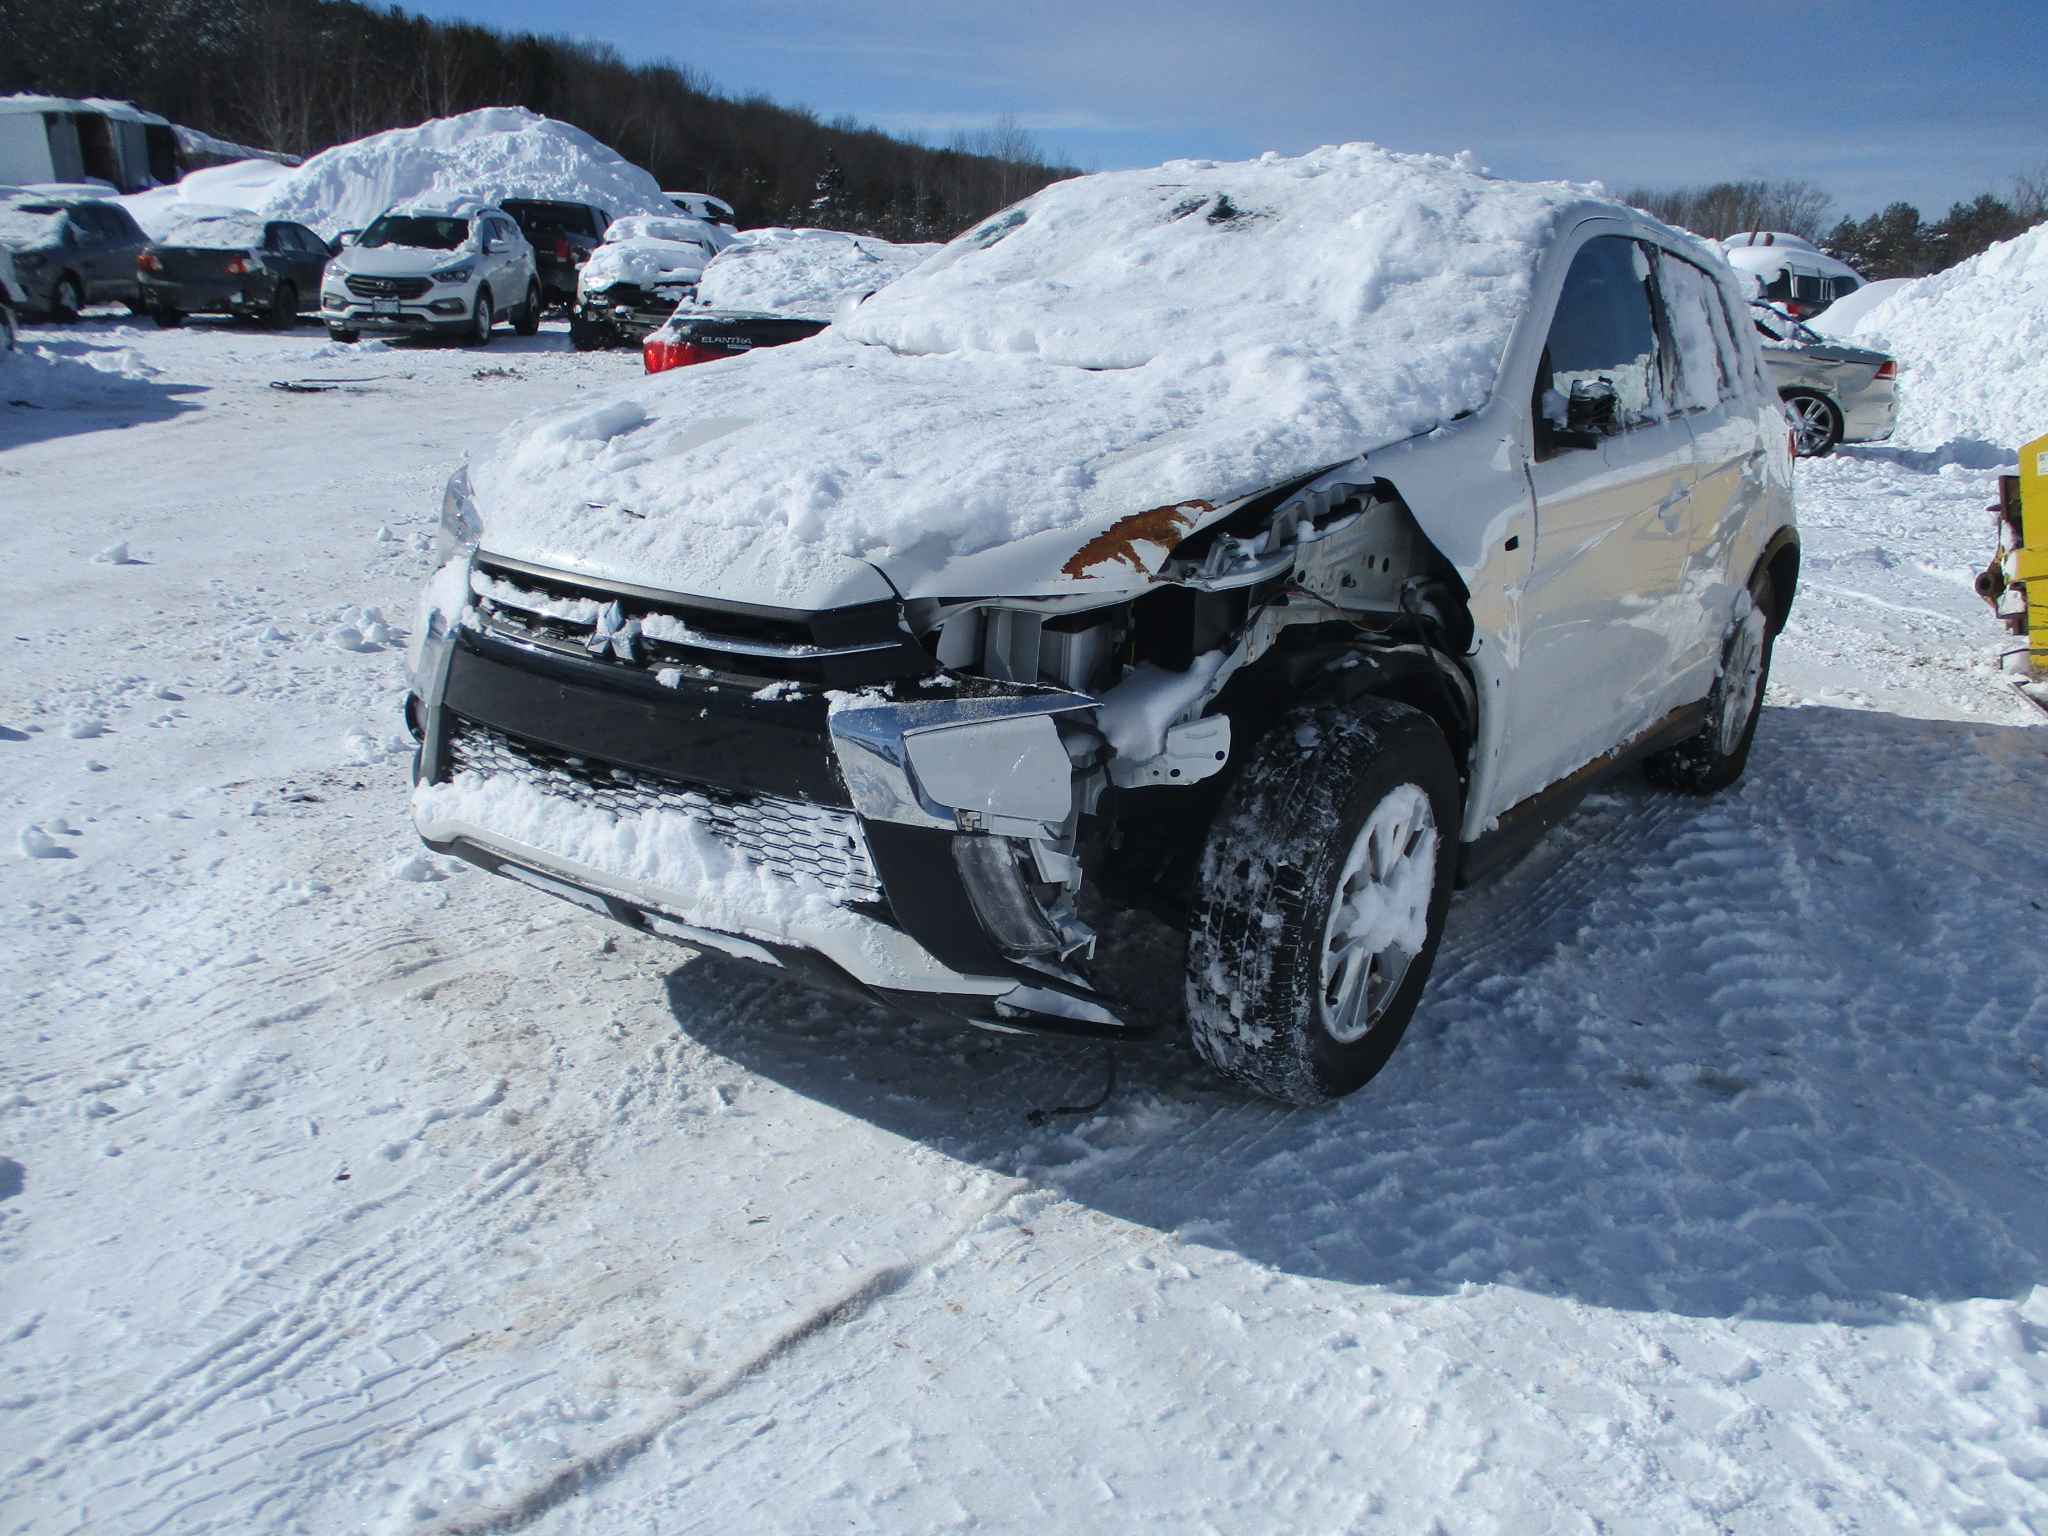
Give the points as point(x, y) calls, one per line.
point(1843, 316)
point(1114, 343)
point(245, 184)
point(802, 272)
point(494, 153)
point(1971, 343)
point(39, 377)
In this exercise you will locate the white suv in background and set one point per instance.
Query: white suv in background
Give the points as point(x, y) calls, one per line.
point(454, 269)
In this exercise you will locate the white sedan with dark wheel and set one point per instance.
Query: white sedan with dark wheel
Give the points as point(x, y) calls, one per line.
point(1834, 392)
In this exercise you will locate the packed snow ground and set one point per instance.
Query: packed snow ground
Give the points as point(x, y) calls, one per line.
point(342, 1189)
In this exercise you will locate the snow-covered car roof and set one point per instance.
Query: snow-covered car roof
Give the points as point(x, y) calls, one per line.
point(645, 261)
point(1769, 258)
point(1116, 343)
point(214, 229)
point(805, 273)
point(656, 226)
point(438, 208)
point(31, 221)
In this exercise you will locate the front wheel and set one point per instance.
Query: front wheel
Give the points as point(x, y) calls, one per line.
point(1816, 425)
point(587, 335)
point(167, 319)
point(342, 333)
point(480, 319)
point(1715, 757)
point(1325, 882)
point(10, 330)
point(526, 320)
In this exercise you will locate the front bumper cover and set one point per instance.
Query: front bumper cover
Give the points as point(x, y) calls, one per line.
point(914, 771)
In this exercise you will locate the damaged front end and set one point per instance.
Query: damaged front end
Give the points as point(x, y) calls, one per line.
point(954, 807)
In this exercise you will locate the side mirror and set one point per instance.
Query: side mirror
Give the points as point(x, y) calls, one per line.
point(487, 244)
point(346, 237)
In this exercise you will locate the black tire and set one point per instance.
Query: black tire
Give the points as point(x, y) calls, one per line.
point(1715, 758)
point(10, 328)
point(1262, 1003)
point(342, 334)
point(1816, 424)
point(67, 300)
point(526, 319)
point(168, 319)
point(283, 313)
point(587, 335)
point(481, 318)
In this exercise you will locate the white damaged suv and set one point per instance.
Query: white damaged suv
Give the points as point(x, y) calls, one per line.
point(1263, 548)
point(452, 269)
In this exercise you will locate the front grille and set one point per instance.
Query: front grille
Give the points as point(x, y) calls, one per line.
point(841, 648)
point(389, 287)
point(792, 839)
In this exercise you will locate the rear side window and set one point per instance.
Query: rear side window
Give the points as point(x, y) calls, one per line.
point(1699, 333)
point(1604, 332)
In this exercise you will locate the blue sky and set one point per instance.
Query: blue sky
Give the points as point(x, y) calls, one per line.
point(1873, 101)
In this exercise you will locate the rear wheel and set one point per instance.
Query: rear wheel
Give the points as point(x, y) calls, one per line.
point(1325, 882)
point(1816, 425)
point(284, 308)
point(67, 299)
point(1715, 758)
point(168, 319)
point(10, 330)
point(480, 319)
point(526, 320)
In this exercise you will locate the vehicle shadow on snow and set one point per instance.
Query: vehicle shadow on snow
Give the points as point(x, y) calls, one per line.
point(1775, 1054)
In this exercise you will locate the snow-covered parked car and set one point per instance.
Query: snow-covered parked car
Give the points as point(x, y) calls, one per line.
point(916, 659)
point(452, 269)
point(714, 211)
point(70, 251)
point(647, 265)
point(772, 287)
point(230, 262)
point(1791, 272)
point(1834, 391)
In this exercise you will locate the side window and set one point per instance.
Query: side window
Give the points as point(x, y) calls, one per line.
point(1690, 313)
point(1806, 287)
point(278, 237)
point(85, 221)
point(1602, 354)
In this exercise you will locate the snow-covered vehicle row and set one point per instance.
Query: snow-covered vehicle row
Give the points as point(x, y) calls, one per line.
point(1055, 609)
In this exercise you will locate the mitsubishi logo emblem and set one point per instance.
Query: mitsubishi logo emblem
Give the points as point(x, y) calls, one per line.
point(615, 633)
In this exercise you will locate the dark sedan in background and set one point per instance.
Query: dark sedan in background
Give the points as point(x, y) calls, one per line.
point(226, 262)
point(72, 251)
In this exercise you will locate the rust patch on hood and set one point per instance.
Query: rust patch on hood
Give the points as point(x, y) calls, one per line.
point(1162, 526)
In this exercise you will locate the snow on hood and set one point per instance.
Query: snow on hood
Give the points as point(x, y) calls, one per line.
point(649, 226)
point(807, 273)
point(1970, 343)
point(22, 226)
point(1120, 346)
point(644, 261)
point(493, 153)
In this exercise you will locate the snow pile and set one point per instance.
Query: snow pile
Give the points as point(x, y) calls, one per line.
point(244, 184)
point(42, 377)
point(1843, 316)
point(493, 153)
point(802, 272)
point(1970, 343)
point(212, 229)
point(1112, 344)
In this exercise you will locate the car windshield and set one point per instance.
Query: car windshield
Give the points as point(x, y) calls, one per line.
point(1776, 325)
point(25, 224)
point(424, 231)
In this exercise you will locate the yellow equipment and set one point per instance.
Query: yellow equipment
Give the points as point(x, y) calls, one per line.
point(2016, 581)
